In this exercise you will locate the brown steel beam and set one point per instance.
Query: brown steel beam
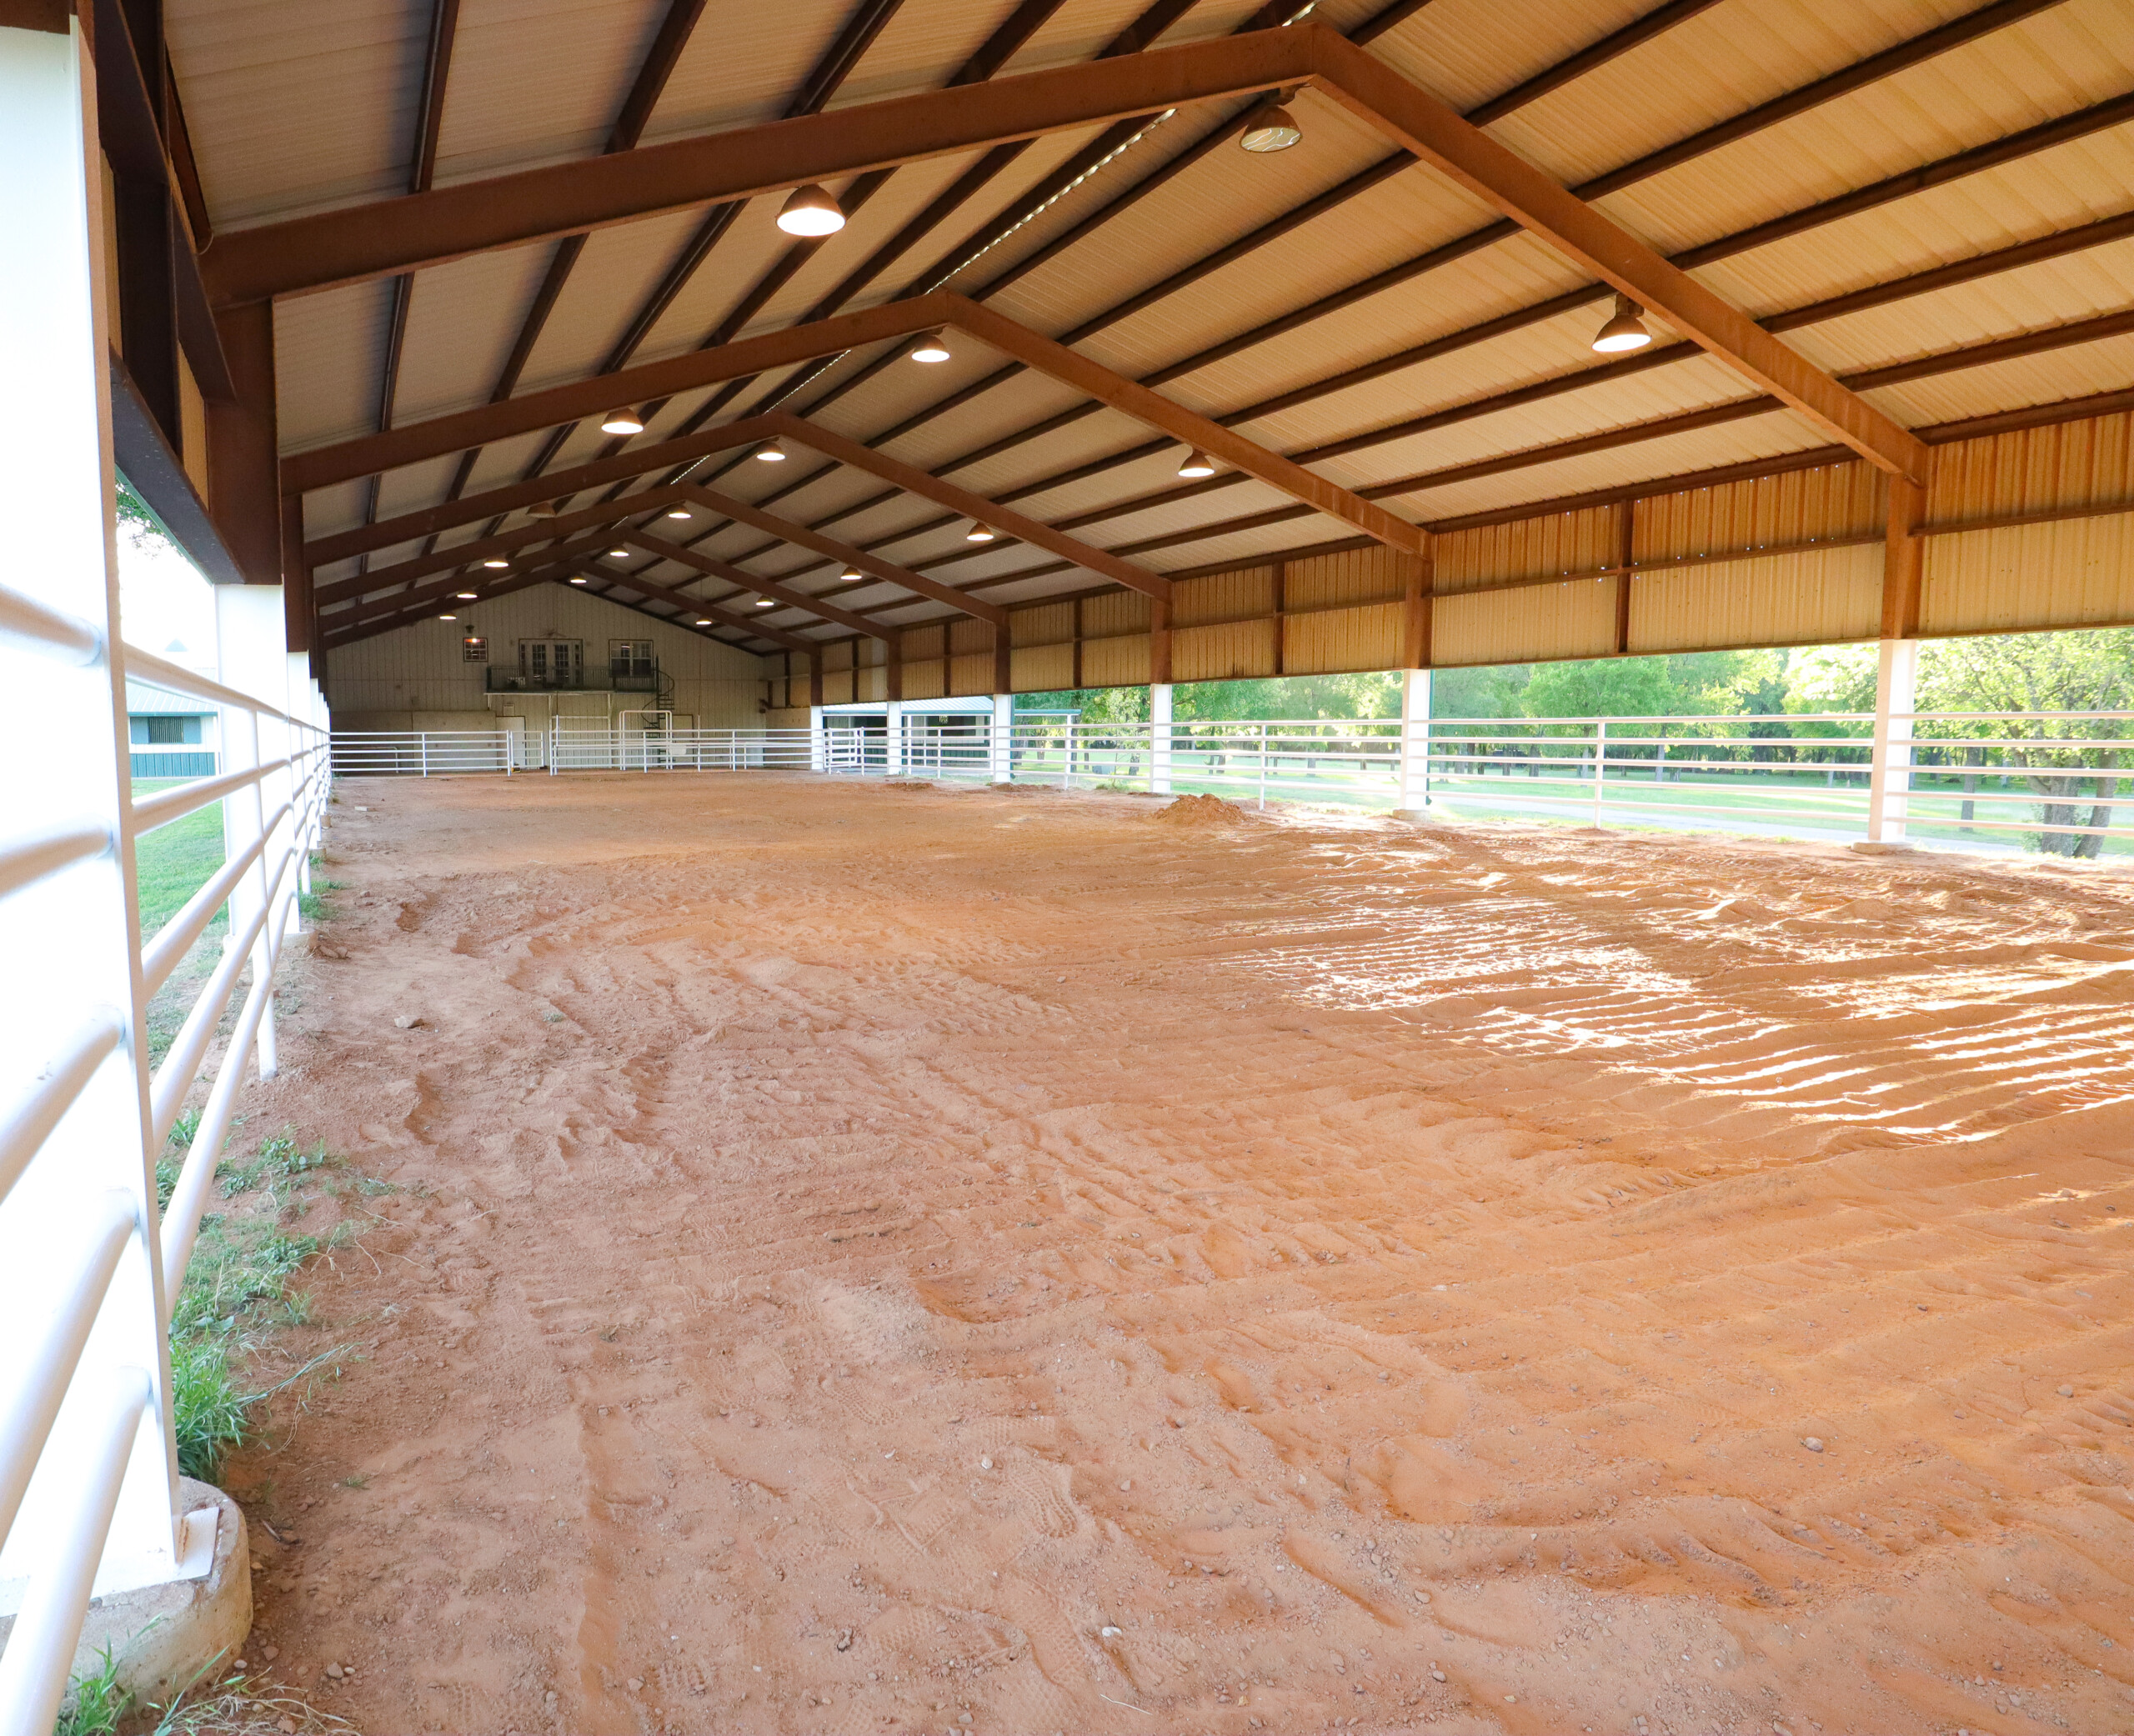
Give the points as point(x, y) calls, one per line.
point(657, 593)
point(309, 253)
point(465, 554)
point(801, 537)
point(556, 485)
point(349, 459)
point(244, 495)
point(1904, 559)
point(1072, 368)
point(359, 612)
point(713, 566)
point(915, 481)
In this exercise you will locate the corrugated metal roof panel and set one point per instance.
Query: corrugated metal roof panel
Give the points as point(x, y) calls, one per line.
point(2075, 574)
point(293, 107)
point(743, 62)
point(2106, 365)
point(1821, 598)
point(330, 350)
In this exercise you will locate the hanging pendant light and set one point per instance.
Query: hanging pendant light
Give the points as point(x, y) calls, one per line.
point(704, 623)
point(544, 509)
point(678, 512)
point(465, 596)
point(622, 421)
point(851, 576)
point(1276, 130)
point(619, 554)
point(577, 581)
point(1197, 464)
point(811, 212)
point(977, 532)
point(1624, 331)
point(447, 617)
point(496, 563)
point(769, 453)
point(932, 347)
point(766, 603)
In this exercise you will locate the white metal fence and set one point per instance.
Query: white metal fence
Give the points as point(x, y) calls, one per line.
point(2060, 782)
point(89, 1262)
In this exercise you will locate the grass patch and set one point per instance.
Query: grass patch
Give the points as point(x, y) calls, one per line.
point(317, 904)
point(94, 1703)
point(238, 1289)
point(174, 861)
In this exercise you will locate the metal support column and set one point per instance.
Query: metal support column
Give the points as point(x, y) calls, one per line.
point(1000, 746)
point(1414, 774)
point(1159, 738)
point(1889, 780)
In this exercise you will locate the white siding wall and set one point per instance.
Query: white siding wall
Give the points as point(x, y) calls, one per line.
point(414, 677)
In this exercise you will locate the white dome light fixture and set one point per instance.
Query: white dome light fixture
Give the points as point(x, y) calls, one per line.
point(1197, 464)
point(931, 347)
point(769, 453)
point(622, 421)
point(1276, 130)
point(678, 513)
point(1625, 330)
point(619, 554)
point(704, 623)
point(577, 581)
point(810, 214)
point(766, 603)
point(465, 596)
point(978, 532)
point(496, 563)
point(447, 617)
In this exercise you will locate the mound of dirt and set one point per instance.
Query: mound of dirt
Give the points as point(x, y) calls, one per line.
point(1200, 811)
point(906, 784)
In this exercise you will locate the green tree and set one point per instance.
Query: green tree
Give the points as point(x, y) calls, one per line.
point(2043, 672)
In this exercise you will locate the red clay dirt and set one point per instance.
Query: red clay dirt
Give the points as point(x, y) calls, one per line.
point(874, 1259)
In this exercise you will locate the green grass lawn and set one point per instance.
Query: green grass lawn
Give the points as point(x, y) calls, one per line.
point(173, 862)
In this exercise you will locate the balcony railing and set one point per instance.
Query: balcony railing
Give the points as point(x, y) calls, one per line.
point(585, 680)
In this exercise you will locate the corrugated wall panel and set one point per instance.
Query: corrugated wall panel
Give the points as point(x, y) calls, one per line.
point(1117, 663)
point(972, 672)
point(1528, 548)
point(968, 637)
point(921, 643)
point(1047, 624)
point(1041, 668)
point(1222, 597)
point(1340, 640)
point(2079, 573)
point(1834, 500)
point(924, 680)
point(1821, 597)
point(1110, 612)
point(837, 687)
point(873, 686)
point(1355, 576)
point(838, 656)
point(1524, 626)
point(1230, 652)
point(2035, 470)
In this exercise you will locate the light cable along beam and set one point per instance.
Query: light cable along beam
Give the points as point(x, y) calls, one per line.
point(816, 543)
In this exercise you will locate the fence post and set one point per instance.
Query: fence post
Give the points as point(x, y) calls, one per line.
point(1889, 778)
point(422, 739)
point(1000, 740)
point(1263, 763)
point(1600, 764)
point(893, 741)
point(249, 641)
point(72, 943)
point(1067, 758)
point(818, 749)
point(1412, 773)
point(1160, 715)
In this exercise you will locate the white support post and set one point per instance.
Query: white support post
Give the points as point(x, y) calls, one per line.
point(819, 758)
point(1414, 740)
point(71, 939)
point(1160, 695)
point(1600, 767)
point(1889, 778)
point(1000, 744)
point(251, 651)
point(893, 758)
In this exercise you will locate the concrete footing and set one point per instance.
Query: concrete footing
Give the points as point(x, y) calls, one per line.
point(165, 1638)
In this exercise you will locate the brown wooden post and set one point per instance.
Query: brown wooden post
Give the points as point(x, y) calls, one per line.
point(1626, 558)
point(299, 607)
point(893, 665)
point(1004, 662)
point(1076, 681)
point(243, 467)
point(1419, 585)
point(815, 677)
point(1281, 602)
point(1158, 641)
point(1904, 559)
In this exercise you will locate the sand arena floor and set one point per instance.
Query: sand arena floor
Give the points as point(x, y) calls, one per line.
point(882, 1258)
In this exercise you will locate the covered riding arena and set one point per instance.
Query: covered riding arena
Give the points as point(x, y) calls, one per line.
point(839, 1148)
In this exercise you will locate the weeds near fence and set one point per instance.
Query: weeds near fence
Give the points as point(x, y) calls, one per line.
point(239, 1289)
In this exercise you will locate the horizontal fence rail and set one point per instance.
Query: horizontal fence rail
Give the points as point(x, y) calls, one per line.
point(90, 1264)
point(2051, 781)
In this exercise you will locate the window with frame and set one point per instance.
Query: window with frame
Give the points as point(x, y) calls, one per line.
point(630, 658)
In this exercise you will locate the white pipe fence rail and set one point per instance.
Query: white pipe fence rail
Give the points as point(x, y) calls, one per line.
point(2045, 780)
point(90, 1266)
